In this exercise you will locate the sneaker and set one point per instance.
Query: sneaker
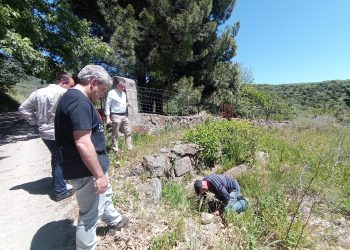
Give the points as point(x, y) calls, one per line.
point(123, 223)
point(69, 193)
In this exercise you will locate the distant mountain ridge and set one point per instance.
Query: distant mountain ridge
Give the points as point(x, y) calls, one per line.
point(328, 95)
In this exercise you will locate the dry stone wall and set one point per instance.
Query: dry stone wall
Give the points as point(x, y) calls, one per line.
point(172, 163)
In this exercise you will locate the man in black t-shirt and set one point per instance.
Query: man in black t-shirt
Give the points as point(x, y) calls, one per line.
point(80, 138)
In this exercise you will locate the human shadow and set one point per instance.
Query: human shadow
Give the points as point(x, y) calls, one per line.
point(13, 128)
point(4, 157)
point(55, 235)
point(42, 186)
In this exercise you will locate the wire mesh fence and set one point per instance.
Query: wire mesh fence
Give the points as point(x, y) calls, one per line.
point(165, 102)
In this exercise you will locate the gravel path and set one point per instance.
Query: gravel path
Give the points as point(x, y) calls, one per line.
point(29, 218)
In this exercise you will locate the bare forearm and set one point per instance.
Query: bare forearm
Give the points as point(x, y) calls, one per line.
point(89, 157)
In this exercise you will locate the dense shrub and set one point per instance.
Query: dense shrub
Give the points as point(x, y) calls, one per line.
point(233, 141)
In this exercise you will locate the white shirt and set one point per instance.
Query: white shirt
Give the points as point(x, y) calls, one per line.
point(116, 102)
point(39, 109)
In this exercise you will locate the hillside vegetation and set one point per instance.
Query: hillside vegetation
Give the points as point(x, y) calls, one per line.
point(298, 191)
point(315, 98)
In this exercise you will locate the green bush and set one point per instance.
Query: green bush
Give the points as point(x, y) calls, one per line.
point(233, 141)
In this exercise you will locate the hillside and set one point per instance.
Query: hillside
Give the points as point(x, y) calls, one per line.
point(10, 101)
point(326, 97)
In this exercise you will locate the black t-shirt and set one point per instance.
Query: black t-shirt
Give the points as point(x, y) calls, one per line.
point(76, 112)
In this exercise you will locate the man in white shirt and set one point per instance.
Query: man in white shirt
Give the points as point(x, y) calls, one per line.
point(116, 111)
point(39, 109)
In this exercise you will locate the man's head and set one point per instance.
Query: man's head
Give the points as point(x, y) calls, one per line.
point(65, 81)
point(200, 186)
point(95, 80)
point(119, 83)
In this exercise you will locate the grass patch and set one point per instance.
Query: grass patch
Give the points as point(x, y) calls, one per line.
point(144, 144)
point(168, 239)
point(176, 195)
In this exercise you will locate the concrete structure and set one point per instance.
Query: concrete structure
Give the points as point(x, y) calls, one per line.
point(131, 93)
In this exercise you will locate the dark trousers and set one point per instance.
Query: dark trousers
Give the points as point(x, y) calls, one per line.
point(59, 184)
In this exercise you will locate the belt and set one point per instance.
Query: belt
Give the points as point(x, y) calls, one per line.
point(118, 113)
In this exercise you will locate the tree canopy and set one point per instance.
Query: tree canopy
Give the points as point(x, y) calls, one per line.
point(163, 42)
point(42, 38)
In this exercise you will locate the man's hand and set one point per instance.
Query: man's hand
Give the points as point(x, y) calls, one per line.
point(108, 120)
point(217, 212)
point(101, 184)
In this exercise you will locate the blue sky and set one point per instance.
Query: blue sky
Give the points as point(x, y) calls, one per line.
point(293, 41)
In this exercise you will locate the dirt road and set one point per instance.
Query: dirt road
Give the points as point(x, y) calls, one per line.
point(29, 218)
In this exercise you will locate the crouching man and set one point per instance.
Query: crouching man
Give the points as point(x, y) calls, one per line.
point(226, 190)
point(81, 143)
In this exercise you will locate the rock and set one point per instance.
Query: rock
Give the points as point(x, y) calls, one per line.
point(236, 171)
point(164, 150)
point(157, 165)
point(152, 190)
point(207, 218)
point(135, 171)
point(182, 150)
point(182, 166)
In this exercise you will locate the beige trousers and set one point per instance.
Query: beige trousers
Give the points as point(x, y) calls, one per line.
point(121, 125)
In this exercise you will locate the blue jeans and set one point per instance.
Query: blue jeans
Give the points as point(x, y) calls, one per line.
point(237, 202)
point(59, 184)
point(92, 207)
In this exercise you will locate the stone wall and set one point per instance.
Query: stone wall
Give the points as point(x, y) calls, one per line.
point(152, 123)
point(173, 162)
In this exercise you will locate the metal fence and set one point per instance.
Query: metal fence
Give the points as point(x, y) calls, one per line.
point(165, 102)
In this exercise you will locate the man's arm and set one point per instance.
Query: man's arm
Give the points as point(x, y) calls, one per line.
point(88, 154)
point(28, 110)
point(223, 195)
point(108, 107)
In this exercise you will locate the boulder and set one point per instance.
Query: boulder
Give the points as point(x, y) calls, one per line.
point(157, 166)
point(236, 171)
point(152, 190)
point(189, 149)
point(182, 166)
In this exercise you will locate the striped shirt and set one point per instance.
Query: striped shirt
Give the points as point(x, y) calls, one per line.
point(221, 186)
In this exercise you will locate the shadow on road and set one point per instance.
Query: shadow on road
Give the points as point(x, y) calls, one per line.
point(13, 128)
point(42, 186)
point(55, 235)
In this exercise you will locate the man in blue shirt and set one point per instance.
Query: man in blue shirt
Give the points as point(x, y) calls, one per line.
point(226, 190)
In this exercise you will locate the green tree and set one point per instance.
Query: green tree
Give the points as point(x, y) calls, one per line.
point(43, 38)
point(158, 42)
point(255, 103)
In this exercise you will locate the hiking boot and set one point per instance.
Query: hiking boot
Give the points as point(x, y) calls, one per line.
point(123, 223)
point(69, 193)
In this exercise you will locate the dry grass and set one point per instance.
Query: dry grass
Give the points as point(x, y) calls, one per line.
point(145, 144)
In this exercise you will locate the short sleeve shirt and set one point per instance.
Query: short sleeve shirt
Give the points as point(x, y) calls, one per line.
point(76, 112)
